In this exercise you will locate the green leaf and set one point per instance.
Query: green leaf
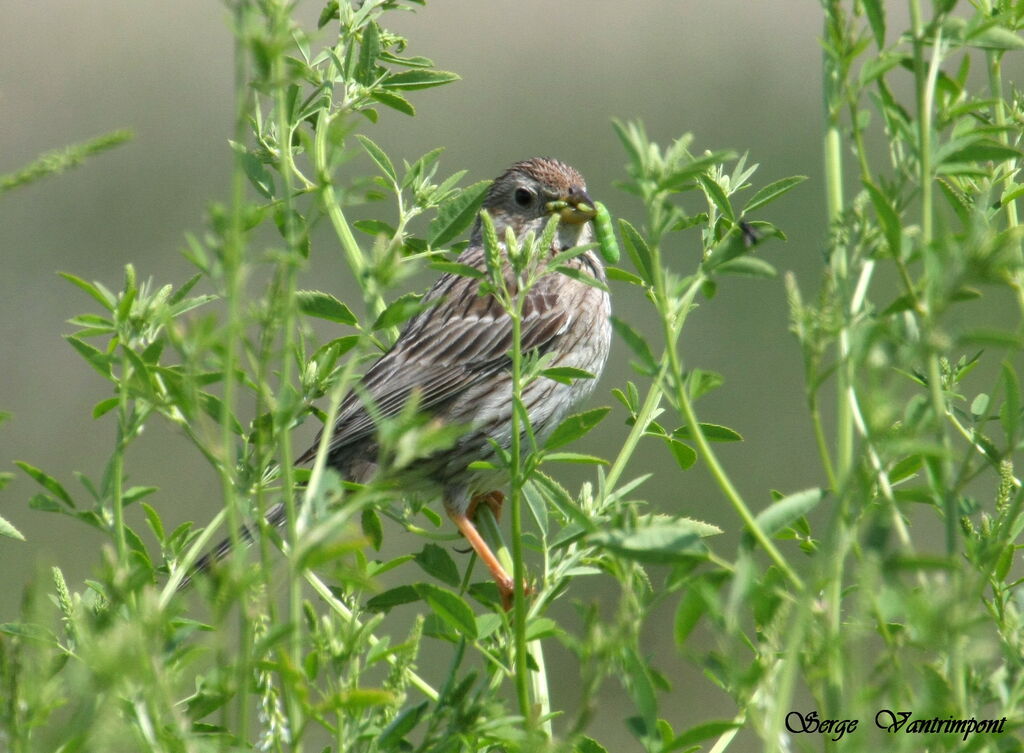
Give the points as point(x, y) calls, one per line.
point(393, 597)
point(975, 150)
point(566, 374)
point(460, 270)
point(457, 214)
point(575, 426)
point(561, 500)
point(377, 155)
point(685, 455)
point(414, 61)
point(659, 543)
point(996, 38)
point(369, 50)
point(258, 174)
point(450, 608)
point(637, 678)
point(717, 195)
point(701, 382)
point(574, 457)
point(28, 630)
point(989, 337)
point(329, 13)
point(155, 524)
point(46, 481)
point(781, 514)
point(370, 521)
point(979, 405)
point(402, 725)
point(437, 562)
point(638, 250)
point(701, 732)
point(105, 406)
point(541, 627)
point(878, 66)
point(589, 745)
point(135, 493)
point(374, 227)
point(773, 191)
point(419, 79)
point(691, 608)
point(394, 101)
point(647, 364)
point(711, 432)
point(581, 276)
point(747, 266)
point(887, 218)
point(730, 246)
point(95, 358)
point(875, 11)
point(324, 306)
point(680, 179)
point(7, 529)
point(616, 273)
point(401, 309)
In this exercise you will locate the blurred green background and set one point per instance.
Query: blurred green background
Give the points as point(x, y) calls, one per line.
point(539, 78)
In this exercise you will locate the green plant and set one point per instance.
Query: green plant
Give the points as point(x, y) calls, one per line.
point(834, 602)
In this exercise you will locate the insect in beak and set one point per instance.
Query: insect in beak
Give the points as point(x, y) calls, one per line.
point(575, 209)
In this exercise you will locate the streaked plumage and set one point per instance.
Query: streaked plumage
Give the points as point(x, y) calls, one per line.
point(456, 354)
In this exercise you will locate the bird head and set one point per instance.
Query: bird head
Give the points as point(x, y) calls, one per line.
point(526, 195)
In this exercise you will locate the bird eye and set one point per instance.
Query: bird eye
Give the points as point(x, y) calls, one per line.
point(524, 197)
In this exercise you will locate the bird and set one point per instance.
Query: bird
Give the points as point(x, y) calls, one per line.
point(454, 357)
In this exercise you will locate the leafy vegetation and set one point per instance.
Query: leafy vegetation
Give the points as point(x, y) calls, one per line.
point(836, 602)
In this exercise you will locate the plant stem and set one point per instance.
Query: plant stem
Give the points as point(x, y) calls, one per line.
point(117, 461)
point(286, 303)
point(522, 679)
point(833, 96)
point(641, 421)
point(353, 253)
point(232, 282)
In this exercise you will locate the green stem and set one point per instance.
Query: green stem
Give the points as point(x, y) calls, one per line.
point(840, 271)
point(522, 679)
point(372, 297)
point(995, 85)
point(234, 242)
point(724, 482)
point(833, 151)
point(117, 470)
point(287, 305)
point(641, 421)
point(672, 322)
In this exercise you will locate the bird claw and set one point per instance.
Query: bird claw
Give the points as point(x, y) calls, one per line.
point(494, 500)
point(507, 591)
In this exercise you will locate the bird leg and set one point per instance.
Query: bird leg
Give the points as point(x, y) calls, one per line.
point(501, 576)
point(464, 522)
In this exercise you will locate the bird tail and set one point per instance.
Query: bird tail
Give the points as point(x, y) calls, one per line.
point(276, 518)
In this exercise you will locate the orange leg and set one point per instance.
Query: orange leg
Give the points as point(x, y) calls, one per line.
point(501, 577)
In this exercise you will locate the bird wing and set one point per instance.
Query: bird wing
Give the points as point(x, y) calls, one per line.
point(459, 341)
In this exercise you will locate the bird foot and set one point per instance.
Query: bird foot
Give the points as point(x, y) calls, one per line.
point(494, 500)
point(507, 591)
point(464, 522)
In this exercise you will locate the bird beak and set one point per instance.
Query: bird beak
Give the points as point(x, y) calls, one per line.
point(575, 209)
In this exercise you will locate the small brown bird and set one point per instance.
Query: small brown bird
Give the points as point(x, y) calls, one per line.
point(455, 355)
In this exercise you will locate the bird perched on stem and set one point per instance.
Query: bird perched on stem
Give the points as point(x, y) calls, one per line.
point(454, 358)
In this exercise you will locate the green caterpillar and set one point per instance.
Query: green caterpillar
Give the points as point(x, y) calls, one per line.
point(605, 233)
